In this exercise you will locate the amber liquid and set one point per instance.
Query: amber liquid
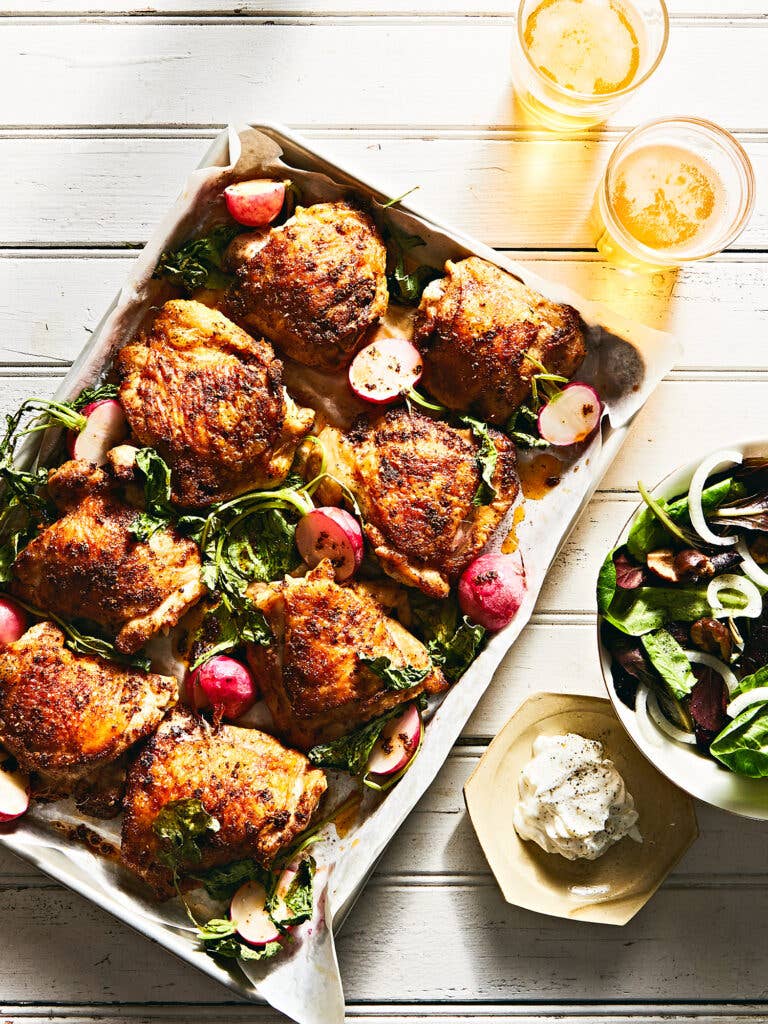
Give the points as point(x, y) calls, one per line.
point(667, 199)
point(589, 46)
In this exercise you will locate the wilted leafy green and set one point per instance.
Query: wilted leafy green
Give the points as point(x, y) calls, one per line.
point(350, 753)
point(158, 510)
point(523, 427)
point(395, 677)
point(180, 826)
point(198, 263)
point(487, 457)
point(405, 286)
point(453, 642)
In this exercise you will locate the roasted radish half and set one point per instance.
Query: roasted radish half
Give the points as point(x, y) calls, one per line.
point(105, 427)
point(224, 684)
point(492, 589)
point(255, 203)
point(14, 790)
point(397, 745)
point(384, 370)
point(331, 533)
point(248, 913)
point(13, 621)
point(571, 415)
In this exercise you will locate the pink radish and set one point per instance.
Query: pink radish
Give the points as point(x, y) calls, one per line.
point(193, 693)
point(492, 589)
point(227, 685)
point(105, 426)
point(248, 913)
point(255, 203)
point(397, 744)
point(14, 793)
point(385, 369)
point(331, 533)
point(13, 621)
point(571, 415)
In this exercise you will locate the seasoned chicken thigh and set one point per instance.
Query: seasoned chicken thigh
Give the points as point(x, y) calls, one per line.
point(416, 481)
point(313, 676)
point(262, 794)
point(474, 327)
point(209, 398)
point(314, 285)
point(65, 715)
point(87, 565)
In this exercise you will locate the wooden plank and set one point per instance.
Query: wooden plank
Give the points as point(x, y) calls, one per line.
point(454, 943)
point(116, 189)
point(282, 8)
point(58, 298)
point(63, 64)
point(399, 1014)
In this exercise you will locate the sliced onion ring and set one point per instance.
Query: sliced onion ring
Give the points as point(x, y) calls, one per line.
point(730, 581)
point(661, 720)
point(708, 660)
point(750, 566)
point(744, 700)
point(712, 464)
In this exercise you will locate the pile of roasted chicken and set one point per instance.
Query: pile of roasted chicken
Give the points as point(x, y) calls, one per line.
point(227, 391)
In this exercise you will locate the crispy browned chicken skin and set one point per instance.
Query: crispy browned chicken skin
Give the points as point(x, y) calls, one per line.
point(209, 398)
point(87, 565)
point(314, 285)
point(262, 794)
point(474, 327)
point(311, 675)
point(415, 479)
point(65, 715)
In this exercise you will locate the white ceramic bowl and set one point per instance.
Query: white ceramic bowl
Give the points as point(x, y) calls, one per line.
point(696, 773)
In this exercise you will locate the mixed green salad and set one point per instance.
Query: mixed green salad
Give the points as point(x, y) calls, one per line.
point(684, 616)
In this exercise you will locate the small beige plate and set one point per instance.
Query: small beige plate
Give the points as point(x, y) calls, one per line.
point(611, 889)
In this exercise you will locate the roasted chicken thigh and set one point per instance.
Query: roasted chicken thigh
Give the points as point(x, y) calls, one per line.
point(416, 481)
point(87, 565)
point(314, 285)
point(474, 328)
point(209, 399)
point(262, 794)
point(65, 715)
point(314, 675)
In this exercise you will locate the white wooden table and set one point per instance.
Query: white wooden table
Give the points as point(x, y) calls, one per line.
point(107, 105)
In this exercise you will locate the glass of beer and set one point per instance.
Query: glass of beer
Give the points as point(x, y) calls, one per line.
point(676, 189)
point(576, 61)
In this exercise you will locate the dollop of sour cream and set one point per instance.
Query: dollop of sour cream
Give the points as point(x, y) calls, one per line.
point(573, 801)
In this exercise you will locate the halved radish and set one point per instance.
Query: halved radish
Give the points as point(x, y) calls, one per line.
point(14, 793)
point(382, 371)
point(571, 415)
point(13, 621)
point(331, 533)
point(255, 203)
point(492, 589)
point(105, 426)
point(397, 744)
point(226, 684)
point(248, 913)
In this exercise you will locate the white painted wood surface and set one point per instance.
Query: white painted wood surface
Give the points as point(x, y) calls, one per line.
point(106, 105)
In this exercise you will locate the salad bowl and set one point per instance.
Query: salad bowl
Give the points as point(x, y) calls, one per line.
point(686, 763)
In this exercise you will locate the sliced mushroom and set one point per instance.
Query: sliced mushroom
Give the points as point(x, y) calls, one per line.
point(662, 563)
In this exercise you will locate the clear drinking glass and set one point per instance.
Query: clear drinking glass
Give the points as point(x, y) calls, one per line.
point(576, 61)
point(676, 189)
